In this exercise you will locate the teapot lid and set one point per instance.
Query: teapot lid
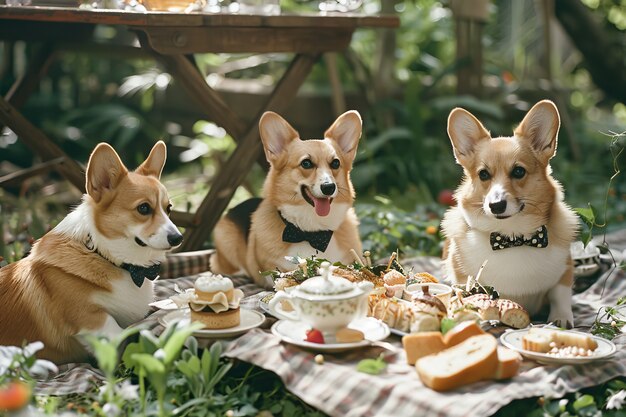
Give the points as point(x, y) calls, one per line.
point(326, 283)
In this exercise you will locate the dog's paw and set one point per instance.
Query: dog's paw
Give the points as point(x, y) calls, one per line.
point(564, 320)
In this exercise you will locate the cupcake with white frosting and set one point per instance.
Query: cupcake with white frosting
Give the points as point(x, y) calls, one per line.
point(213, 301)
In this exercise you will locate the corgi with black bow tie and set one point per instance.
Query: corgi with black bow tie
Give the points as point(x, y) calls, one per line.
point(307, 209)
point(511, 212)
point(92, 274)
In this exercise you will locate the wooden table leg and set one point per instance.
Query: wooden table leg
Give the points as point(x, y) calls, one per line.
point(186, 73)
point(37, 68)
point(247, 152)
point(40, 144)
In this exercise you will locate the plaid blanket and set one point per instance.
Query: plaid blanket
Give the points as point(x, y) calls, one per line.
point(337, 389)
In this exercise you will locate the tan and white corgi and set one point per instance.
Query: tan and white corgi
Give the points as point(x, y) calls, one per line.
point(511, 212)
point(92, 273)
point(307, 209)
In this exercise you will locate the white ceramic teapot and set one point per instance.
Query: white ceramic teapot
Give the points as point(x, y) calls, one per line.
point(327, 302)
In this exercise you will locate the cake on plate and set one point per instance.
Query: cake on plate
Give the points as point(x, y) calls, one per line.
point(213, 301)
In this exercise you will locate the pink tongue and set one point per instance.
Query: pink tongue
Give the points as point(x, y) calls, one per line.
point(322, 206)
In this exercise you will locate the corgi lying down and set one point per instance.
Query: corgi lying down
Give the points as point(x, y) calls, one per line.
point(92, 273)
point(511, 212)
point(307, 209)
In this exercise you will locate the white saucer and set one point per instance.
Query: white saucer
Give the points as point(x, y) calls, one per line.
point(294, 332)
point(513, 339)
point(249, 320)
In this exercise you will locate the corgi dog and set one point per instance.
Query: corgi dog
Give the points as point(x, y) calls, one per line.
point(91, 274)
point(307, 209)
point(511, 213)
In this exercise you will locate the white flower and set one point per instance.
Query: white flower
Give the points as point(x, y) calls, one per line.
point(127, 391)
point(616, 401)
point(42, 368)
point(32, 348)
point(111, 410)
point(159, 354)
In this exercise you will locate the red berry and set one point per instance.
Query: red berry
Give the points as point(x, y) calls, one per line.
point(446, 197)
point(314, 336)
point(14, 396)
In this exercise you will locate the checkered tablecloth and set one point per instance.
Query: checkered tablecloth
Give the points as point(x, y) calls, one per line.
point(337, 389)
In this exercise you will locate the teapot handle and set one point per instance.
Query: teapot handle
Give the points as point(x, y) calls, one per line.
point(277, 310)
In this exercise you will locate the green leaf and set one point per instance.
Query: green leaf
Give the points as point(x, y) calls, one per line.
point(105, 353)
point(131, 349)
point(177, 340)
point(371, 366)
point(583, 401)
point(149, 363)
point(447, 324)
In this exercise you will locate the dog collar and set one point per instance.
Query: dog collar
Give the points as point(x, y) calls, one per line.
point(318, 240)
point(137, 272)
point(538, 240)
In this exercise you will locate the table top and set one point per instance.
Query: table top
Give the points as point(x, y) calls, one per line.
point(196, 19)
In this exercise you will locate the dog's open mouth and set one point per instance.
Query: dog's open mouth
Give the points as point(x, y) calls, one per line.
point(321, 205)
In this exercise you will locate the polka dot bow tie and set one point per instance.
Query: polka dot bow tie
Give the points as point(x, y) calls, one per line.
point(318, 240)
point(538, 240)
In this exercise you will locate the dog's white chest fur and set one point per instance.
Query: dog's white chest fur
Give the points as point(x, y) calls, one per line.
point(126, 302)
point(305, 250)
point(523, 274)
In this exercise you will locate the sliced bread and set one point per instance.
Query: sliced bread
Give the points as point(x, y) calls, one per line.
point(475, 359)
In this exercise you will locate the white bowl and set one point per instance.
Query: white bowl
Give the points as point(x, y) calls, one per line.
point(441, 291)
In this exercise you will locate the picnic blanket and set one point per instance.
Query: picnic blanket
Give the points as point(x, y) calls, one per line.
point(338, 389)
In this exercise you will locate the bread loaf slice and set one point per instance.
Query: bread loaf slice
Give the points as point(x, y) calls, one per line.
point(473, 360)
point(418, 345)
point(512, 314)
point(540, 340)
point(462, 332)
point(508, 363)
point(537, 340)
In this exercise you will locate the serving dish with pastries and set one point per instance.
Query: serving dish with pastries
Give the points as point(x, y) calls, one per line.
point(449, 333)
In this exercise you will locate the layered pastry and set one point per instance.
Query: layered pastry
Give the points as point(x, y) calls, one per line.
point(213, 301)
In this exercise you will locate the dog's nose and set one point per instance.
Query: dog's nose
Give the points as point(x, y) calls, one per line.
point(328, 188)
point(498, 207)
point(174, 239)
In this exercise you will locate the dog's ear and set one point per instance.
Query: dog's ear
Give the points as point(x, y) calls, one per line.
point(154, 163)
point(346, 131)
point(105, 170)
point(275, 133)
point(541, 127)
point(465, 132)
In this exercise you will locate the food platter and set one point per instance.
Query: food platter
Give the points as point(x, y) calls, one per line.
point(249, 320)
point(513, 340)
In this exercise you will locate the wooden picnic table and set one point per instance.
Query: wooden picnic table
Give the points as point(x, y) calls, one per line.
point(172, 38)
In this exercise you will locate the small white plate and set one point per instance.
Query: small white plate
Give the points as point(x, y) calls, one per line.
point(249, 320)
point(294, 332)
point(513, 339)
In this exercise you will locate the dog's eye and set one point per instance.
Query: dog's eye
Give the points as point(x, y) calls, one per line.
point(335, 163)
point(144, 209)
point(518, 172)
point(306, 163)
point(484, 175)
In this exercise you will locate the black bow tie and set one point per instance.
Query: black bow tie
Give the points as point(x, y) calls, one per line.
point(318, 240)
point(138, 273)
point(538, 240)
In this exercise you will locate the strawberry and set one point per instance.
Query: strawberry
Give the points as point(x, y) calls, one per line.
point(314, 336)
